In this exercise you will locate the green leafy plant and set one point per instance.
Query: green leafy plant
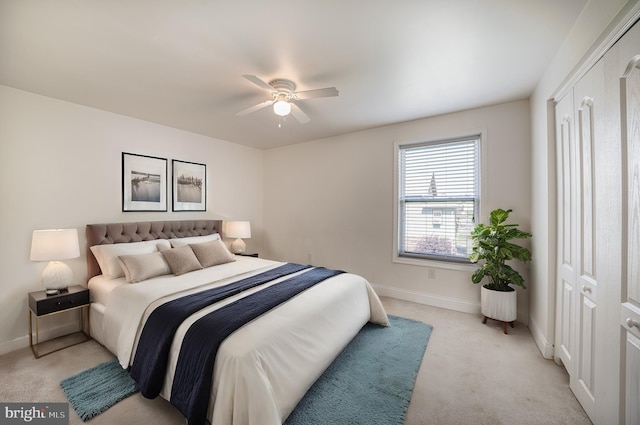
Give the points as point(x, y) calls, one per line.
point(492, 244)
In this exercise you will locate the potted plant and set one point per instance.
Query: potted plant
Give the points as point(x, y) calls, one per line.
point(493, 244)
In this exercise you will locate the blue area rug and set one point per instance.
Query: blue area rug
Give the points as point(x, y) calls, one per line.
point(94, 390)
point(371, 381)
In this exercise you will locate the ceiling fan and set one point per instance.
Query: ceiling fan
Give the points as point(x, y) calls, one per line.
point(284, 97)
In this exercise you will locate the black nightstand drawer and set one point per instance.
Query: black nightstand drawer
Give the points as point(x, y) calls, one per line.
point(42, 304)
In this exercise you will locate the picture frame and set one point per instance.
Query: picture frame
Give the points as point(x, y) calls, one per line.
point(189, 186)
point(144, 183)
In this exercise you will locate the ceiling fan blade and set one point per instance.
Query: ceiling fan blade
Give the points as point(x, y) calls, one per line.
point(299, 114)
point(258, 82)
point(326, 92)
point(254, 108)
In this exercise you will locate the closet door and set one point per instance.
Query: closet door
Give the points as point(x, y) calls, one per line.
point(598, 287)
point(566, 230)
point(629, 87)
point(589, 104)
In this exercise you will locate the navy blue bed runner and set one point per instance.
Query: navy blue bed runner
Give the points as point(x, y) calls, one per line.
point(152, 354)
point(191, 387)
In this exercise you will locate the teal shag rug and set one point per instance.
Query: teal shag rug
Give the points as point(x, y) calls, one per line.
point(371, 381)
point(94, 390)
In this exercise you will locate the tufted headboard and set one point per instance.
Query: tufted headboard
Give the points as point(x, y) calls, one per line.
point(101, 234)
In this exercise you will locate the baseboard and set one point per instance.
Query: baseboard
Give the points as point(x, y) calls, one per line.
point(545, 347)
point(43, 335)
point(427, 299)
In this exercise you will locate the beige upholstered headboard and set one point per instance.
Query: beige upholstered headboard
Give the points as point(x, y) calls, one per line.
point(101, 234)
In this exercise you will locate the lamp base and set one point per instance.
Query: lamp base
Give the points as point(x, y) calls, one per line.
point(51, 292)
point(238, 246)
point(56, 277)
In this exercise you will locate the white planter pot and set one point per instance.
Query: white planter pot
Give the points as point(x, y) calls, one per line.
point(499, 305)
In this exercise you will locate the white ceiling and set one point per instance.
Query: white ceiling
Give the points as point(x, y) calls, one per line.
point(180, 63)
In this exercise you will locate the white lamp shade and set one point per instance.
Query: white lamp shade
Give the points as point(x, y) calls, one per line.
point(54, 244)
point(238, 229)
point(282, 108)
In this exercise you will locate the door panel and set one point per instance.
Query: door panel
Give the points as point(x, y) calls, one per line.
point(632, 411)
point(586, 145)
point(630, 109)
point(566, 279)
point(589, 113)
point(586, 369)
point(630, 306)
point(565, 343)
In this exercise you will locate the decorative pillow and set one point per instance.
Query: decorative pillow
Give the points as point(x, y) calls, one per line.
point(176, 242)
point(107, 255)
point(212, 253)
point(181, 260)
point(143, 266)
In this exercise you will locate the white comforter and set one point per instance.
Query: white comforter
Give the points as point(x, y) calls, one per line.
point(264, 368)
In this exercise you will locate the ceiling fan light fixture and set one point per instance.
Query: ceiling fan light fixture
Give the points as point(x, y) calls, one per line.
point(282, 108)
point(283, 93)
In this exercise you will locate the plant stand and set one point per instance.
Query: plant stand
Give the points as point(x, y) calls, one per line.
point(499, 305)
point(504, 324)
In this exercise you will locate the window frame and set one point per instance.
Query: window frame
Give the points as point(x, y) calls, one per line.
point(430, 261)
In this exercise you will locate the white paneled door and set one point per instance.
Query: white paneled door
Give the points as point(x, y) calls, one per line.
point(598, 279)
point(590, 140)
point(628, 60)
point(566, 280)
point(588, 100)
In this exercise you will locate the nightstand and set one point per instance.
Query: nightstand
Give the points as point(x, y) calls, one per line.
point(43, 305)
point(255, 254)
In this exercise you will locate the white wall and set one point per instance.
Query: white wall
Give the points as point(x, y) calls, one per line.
point(60, 167)
point(330, 201)
point(591, 24)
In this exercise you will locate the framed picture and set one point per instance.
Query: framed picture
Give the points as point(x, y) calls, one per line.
point(189, 186)
point(144, 183)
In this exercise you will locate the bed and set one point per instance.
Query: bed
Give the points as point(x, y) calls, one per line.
point(264, 367)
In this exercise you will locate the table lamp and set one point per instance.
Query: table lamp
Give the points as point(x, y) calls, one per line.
point(54, 245)
point(239, 230)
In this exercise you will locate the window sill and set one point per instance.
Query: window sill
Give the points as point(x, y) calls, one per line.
point(435, 263)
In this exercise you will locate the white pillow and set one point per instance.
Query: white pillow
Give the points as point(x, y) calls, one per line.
point(176, 242)
point(144, 266)
point(107, 255)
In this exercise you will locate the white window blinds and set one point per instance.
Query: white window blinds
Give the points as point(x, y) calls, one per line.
point(439, 197)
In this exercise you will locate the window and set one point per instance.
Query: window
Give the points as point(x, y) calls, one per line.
point(438, 198)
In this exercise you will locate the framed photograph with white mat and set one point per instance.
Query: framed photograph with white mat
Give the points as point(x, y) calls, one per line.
point(189, 186)
point(144, 183)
